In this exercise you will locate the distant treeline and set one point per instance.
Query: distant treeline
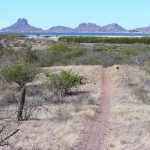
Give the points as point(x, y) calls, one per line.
point(117, 40)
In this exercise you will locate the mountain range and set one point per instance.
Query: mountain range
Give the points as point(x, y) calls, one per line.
point(22, 25)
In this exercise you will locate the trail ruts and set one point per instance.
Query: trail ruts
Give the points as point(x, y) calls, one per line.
point(94, 139)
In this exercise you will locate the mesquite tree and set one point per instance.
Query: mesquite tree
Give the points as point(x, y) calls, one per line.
point(20, 74)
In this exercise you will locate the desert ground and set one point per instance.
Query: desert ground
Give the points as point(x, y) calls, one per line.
point(108, 110)
point(63, 127)
point(59, 126)
point(128, 124)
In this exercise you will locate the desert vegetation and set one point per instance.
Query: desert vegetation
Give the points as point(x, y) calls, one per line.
point(116, 40)
point(50, 53)
point(49, 90)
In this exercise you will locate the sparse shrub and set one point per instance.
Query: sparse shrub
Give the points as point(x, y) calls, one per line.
point(11, 99)
point(111, 145)
point(124, 113)
point(91, 101)
point(146, 67)
point(8, 99)
point(127, 53)
point(142, 94)
point(122, 141)
point(24, 45)
point(61, 84)
point(49, 97)
point(85, 59)
point(6, 51)
point(84, 99)
point(69, 54)
point(31, 57)
point(17, 44)
point(1, 46)
point(64, 62)
point(81, 100)
point(59, 47)
point(45, 58)
point(34, 90)
point(65, 80)
point(62, 115)
point(74, 53)
point(77, 106)
point(29, 108)
point(21, 74)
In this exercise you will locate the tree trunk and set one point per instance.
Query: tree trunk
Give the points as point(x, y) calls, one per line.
point(21, 104)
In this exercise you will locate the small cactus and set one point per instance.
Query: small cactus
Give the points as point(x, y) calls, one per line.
point(21, 104)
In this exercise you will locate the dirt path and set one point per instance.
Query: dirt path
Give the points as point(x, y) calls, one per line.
point(94, 139)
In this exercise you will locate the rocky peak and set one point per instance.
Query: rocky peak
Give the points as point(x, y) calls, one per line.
point(21, 26)
point(87, 27)
point(114, 27)
point(22, 21)
point(82, 25)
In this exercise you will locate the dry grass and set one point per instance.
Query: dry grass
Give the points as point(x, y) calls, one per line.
point(58, 126)
point(129, 120)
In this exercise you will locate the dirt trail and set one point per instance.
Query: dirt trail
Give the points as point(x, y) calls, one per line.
point(94, 140)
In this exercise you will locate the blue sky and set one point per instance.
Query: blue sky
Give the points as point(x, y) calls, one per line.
point(47, 13)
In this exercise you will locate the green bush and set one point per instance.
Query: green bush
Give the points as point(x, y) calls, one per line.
point(31, 57)
point(64, 81)
point(20, 73)
point(59, 47)
point(6, 51)
point(127, 52)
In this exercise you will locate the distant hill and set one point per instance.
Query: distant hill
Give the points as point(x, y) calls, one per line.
point(58, 29)
point(21, 26)
point(143, 29)
point(113, 28)
point(87, 27)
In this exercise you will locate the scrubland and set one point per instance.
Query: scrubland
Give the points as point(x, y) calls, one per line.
point(57, 119)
